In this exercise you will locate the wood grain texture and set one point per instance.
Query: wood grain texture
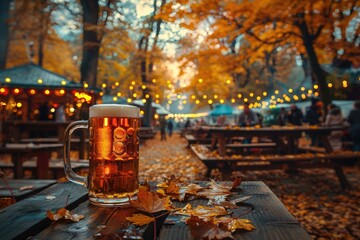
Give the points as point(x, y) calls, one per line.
point(28, 217)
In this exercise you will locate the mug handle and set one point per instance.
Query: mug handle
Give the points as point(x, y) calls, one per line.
point(69, 173)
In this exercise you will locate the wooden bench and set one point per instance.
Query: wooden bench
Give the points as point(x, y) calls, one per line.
point(227, 164)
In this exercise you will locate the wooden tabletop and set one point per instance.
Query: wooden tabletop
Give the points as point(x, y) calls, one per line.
point(23, 188)
point(28, 217)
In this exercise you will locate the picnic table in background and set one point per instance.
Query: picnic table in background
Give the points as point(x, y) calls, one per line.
point(285, 139)
point(266, 212)
point(21, 152)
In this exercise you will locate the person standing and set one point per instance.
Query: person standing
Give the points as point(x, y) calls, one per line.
point(354, 121)
point(162, 129)
point(313, 117)
point(282, 118)
point(170, 127)
point(60, 113)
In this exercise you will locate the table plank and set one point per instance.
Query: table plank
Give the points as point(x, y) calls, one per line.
point(16, 184)
point(28, 217)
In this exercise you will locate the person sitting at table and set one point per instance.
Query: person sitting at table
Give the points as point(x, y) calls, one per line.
point(282, 118)
point(248, 117)
point(354, 121)
point(295, 116)
point(313, 117)
point(334, 118)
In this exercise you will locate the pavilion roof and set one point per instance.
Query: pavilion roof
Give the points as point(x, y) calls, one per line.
point(28, 75)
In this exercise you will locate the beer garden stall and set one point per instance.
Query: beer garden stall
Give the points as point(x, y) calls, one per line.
point(24, 88)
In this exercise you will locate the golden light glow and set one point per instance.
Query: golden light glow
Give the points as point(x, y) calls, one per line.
point(210, 101)
point(52, 110)
point(157, 96)
point(239, 95)
point(2, 90)
point(86, 85)
point(233, 100)
point(169, 102)
point(178, 96)
point(101, 93)
point(131, 87)
point(228, 81)
point(103, 85)
point(72, 109)
point(19, 104)
point(143, 87)
point(222, 100)
point(184, 101)
point(246, 100)
point(7, 80)
point(40, 81)
point(154, 80)
point(119, 94)
point(117, 84)
point(197, 101)
point(193, 96)
point(290, 90)
point(157, 101)
point(142, 112)
point(316, 86)
point(144, 100)
point(62, 91)
point(147, 95)
point(115, 99)
point(134, 95)
point(204, 96)
point(200, 80)
point(133, 83)
point(129, 100)
point(330, 85)
point(258, 98)
point(63, 82)
point(302, 89)
point(264, 94)
point(251, 94)
point(47, 92)
point(16, 91)
point(276, 92)
point(310, 91)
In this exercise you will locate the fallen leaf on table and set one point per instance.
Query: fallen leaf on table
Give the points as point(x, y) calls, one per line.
point(23, 188)
point(150, 202)
point(64, 213)
point(140, 219)
point(202, 211)
point(201, 229)
point(234, 224)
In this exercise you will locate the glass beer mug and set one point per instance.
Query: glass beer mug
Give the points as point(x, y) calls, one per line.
point(113, 154)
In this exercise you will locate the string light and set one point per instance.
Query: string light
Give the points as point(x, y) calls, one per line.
point(7, 79)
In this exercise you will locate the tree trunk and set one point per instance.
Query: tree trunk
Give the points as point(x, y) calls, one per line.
point(317, 72)
point(4, 30)
point(91, 42)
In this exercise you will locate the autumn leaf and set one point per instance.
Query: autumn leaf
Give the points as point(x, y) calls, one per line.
point(201, 229)
point(202, 211)
point(140, 219)
point(64, 213)
point(234, 224)
point(150, 202)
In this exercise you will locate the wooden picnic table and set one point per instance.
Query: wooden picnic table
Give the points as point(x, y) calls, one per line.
point(27, 218)
point(23, 188)
point(20, 152)
point(277, 134)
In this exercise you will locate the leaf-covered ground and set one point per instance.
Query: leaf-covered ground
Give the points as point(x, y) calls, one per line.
point(313, 196)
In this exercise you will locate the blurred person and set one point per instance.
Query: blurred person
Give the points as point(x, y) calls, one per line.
point(170, 127)
point(282, 118)
point(354, 121)
point(60, 113)
point(162, 128)
point(187, 123)
point(44, 112)
point(221, 120)
point(313, 117)
point(295, 116)
point(248, 117)
point(334, 118)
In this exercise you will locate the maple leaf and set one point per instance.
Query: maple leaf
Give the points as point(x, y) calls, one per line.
point(150, 202)
point(201, 229)
point(64, 213)
point(234, 224)
point(140, 219)
point(202, 211)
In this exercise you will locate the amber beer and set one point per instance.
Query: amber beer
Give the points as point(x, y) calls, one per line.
point(113, 154)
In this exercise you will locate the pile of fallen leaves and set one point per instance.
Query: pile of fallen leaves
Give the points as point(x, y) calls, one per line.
point(213, 221)
point(313, 196)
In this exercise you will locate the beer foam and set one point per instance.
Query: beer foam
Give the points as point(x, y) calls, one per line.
point(114, 110)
